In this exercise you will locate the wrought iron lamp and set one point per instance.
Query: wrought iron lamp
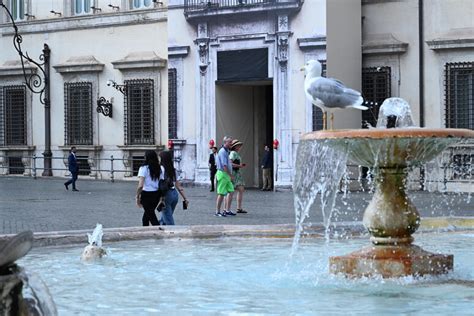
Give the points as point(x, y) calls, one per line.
point(104, 107)
point(119, 87)
point(38, 84)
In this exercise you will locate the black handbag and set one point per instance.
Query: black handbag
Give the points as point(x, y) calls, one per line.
point(164, 185)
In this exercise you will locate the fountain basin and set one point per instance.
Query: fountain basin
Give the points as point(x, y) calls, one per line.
point(247, 275)
point(397, 147)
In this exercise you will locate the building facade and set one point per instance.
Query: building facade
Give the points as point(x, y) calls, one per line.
point(192, 71)
point(107, 53)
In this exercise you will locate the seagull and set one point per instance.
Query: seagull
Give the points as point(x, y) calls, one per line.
point(328, 93)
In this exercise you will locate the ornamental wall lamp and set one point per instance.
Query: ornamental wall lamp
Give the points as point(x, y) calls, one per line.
point(56, 13)
point(119, 87)
point(114, 7)
point(104, 107)
point(96, 9)
point(37, 83)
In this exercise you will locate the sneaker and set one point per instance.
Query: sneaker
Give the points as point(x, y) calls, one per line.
point(220, 214)
point(242, 211)
point(230, 213)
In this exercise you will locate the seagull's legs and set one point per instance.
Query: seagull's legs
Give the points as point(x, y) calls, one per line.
point(332, 120)
point(325, 121)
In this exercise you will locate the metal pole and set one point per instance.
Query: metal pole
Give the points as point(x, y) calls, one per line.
point(34, 166)
point(112, 168)
point(47, 172)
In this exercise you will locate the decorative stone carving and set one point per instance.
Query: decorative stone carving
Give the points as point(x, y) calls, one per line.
point(203, 49)
point(282, 48)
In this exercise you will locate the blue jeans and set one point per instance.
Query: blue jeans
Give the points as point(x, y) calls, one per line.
point(171, 199)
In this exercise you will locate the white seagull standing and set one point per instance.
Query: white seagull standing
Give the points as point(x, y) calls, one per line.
point(328, 93)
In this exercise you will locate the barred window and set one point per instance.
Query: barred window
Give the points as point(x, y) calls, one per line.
point(78, 113)
point(172, 104)
point(376, 87)
point(13, 116)
point(459, 94)
point(139, 112)
point(317, 112)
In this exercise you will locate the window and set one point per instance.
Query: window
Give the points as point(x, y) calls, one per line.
point(17, 9)
point(13, 116)
point(139, 4)
point(139, 112)
point(317, 112)
point(376, 87)
point(82, 7)
point(78, 113)
point(459, 90)
point(172, 104)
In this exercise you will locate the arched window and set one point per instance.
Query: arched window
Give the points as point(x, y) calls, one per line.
point(82, 7)
point(140, 4)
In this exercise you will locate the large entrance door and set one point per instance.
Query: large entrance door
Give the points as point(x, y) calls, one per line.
point(244, 105)
point(246, 112)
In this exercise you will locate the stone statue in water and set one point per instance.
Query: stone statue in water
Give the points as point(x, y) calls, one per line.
point(94, 250)
point(14, 279)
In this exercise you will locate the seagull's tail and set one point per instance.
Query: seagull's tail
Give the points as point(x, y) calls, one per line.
point(358, 102)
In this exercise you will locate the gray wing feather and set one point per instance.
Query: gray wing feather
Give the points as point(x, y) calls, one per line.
point(333, 93)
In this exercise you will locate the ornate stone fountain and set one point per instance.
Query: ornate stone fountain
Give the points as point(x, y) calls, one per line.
point(13, 280)
point(391, 218)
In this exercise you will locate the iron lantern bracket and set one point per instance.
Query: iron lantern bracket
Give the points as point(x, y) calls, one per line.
point(104, 107)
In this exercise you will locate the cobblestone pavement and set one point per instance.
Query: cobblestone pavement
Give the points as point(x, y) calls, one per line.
point(44, 205)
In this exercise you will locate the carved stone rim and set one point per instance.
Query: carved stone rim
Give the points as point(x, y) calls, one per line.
point(390, 133)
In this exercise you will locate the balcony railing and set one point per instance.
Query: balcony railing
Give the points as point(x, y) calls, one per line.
point(196, 8)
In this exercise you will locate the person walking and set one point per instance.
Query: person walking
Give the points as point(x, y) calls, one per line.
point(73, 169)
point(238, 180)
point(267, 164)
point(212, 166)
point(148, 195)
point(174, 186)
point(224, 177)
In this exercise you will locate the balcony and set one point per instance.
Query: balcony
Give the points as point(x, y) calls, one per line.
point(195, 10)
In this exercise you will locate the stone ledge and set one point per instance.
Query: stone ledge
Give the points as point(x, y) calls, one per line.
point(341, 230)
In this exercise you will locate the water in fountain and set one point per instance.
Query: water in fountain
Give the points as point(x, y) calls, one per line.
point(319, 169)
point(96, 238)
point(395, 108)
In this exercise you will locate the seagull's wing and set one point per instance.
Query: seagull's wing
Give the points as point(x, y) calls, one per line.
point(333, 93)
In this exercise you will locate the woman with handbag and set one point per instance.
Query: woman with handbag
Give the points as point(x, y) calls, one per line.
point(148, 195)
point(173, 186)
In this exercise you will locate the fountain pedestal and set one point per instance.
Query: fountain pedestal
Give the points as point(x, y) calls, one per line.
point(391, 218)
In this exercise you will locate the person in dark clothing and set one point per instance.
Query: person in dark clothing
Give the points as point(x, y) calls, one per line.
point(212, 166)
point(266, 165)
point(73, 168)
point(148, 194)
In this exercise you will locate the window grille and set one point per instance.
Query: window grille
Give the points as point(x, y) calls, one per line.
point(172, 104)
point(376, 87)
point(139, 112)
point(137, 162)
point(13, 116)
point(463, 166)
point(15, 166)
point(78, 113)
point(83, 164)
point(317, 112)
point(459, 95)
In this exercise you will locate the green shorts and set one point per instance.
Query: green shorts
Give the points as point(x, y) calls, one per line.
point(224, 184)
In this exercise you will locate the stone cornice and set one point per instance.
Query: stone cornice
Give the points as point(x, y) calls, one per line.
point(458, 38)
point(83, 22)
point(178, 51)
point(440, 44)
point(80, 64)
point(382, 44)
point(13, 68)
point(317, 42)
point(140, 60)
